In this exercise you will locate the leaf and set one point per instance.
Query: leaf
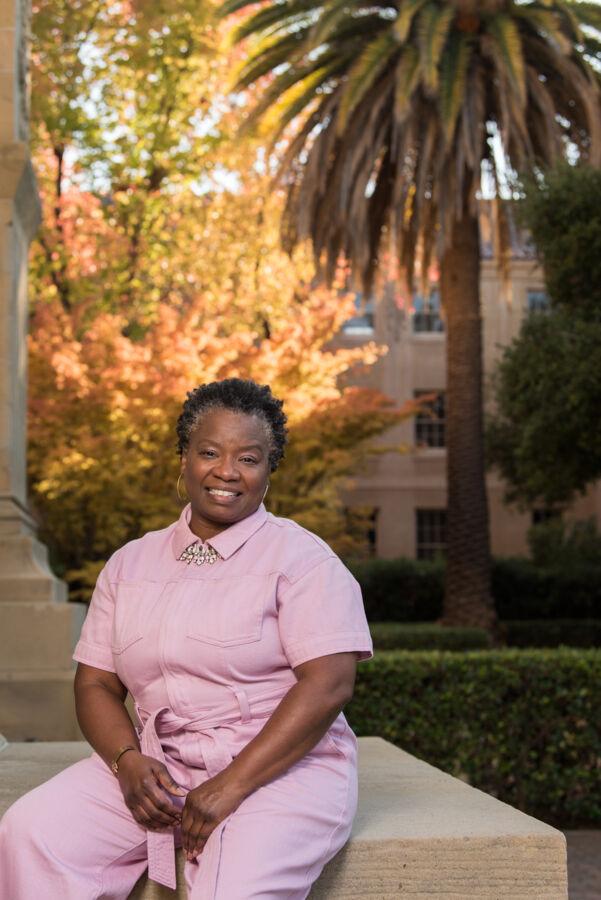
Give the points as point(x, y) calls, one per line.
point(370, 65)
point(433, 28)
point(403, 22)
point(509, 44)
point(453, 79)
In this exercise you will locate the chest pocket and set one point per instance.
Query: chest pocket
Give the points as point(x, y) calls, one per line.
point(227, 611)
point(127, 619)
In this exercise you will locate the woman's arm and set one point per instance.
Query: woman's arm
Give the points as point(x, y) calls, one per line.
point(301, 719)
point(101, 713)
point(105, 722)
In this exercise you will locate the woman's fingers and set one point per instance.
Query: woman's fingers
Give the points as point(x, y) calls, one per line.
point(158, 818)
point(166, 781)
point(192, 822)
point(165, 809)
point(196, 830)
point(146, 799)
point(201, 839)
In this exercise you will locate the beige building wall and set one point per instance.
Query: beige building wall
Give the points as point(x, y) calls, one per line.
point(397, 484)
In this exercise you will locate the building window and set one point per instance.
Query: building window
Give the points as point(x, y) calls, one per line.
point(430, 531)
point(363, 322)
point(544, 514)
point(430, 422)
point(426, 313)
point(537, 301)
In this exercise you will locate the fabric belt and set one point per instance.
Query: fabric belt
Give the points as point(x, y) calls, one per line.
point(214, 749)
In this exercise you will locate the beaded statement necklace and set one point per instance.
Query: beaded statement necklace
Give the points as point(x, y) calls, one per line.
point(199, 554)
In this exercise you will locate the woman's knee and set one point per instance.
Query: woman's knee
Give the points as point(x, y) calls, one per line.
point(18, 823)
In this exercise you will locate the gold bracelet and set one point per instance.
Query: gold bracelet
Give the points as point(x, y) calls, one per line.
point(118, 755)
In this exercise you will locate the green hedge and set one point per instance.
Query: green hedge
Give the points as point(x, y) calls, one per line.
point(426, 636)
point(408, 590)
point(553, 633)
point(533, 633)
point(400, 590)
point(522, 725)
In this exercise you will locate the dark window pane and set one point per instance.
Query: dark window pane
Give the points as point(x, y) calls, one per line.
point(538, 301)
point(426, 315)
point(430, 527)
point(429, 425)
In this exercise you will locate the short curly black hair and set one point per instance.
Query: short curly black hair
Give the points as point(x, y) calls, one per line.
point(240, 395)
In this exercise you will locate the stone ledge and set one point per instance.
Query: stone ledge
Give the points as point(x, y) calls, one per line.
point(418, 833)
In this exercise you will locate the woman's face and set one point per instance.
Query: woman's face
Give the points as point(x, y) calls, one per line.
point(225, 469)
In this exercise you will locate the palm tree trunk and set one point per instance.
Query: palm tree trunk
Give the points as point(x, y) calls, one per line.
point(468, 598)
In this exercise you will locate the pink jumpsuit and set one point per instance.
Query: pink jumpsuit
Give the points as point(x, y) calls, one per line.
point(207, 653)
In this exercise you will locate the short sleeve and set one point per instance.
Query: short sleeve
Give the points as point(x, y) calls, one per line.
point(94, 645)
point(322, 612)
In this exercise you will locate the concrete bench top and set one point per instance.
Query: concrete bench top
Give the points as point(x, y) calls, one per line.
point(418, 832)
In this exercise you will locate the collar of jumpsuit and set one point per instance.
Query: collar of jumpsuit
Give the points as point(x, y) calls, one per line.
point(161, 856)
point(226, 542)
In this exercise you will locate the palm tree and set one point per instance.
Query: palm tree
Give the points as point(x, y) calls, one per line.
point(391, 110)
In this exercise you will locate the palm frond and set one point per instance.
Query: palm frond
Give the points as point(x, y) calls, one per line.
point(407, 78)
point(232, 6)
point(585, 13)
point(274, 115)
point(473, 118)
point(453, 79)
point(404, 20)
point(332, 13)
point(548, 22)
point(289, 87)
point(507, 39)
point(592, 47)
point(432, 30)
point(277, 16)
point(366, 70)
point(264, 58)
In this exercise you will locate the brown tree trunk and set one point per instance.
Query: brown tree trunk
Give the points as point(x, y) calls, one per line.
point(468, 598)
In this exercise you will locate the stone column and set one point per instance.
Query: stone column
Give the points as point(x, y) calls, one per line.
point(37, 626)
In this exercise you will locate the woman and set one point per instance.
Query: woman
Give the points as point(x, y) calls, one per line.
point(237, 634)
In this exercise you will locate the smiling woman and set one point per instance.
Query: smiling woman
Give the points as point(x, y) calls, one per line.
point(237, 634)
point(228, 451)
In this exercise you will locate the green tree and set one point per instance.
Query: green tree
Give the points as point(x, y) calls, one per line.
point(544, 434)
point(562, 211)
point(393, 110)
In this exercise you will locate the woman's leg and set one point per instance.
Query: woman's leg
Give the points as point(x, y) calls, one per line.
point(71, 838)
point(274, 846)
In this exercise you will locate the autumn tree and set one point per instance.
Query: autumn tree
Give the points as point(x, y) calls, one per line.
point(158, 267)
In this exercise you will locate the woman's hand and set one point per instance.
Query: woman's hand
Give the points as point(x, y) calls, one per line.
point(144, 781)
point(205, 807)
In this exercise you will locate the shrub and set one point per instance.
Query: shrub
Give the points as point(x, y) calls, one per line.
point(522, 725)
point(557, 543)
point(518, 633)
point(402, 589)
point(522, 590)
point(553, 633)
point(426, 636)
point(408, 590)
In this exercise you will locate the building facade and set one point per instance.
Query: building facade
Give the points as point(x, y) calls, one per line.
point(406, 488)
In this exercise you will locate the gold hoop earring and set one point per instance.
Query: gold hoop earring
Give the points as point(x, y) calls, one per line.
point(177, 488)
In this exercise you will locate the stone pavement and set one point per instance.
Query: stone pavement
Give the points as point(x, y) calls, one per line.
point(584, 864)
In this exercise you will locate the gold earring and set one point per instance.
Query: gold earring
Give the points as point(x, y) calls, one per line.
point(177, 488)
point(265, 493)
